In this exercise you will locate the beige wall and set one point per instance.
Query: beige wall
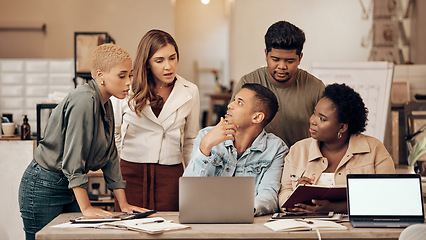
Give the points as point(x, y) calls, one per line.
point(333, 30)
point(202, 33)
point(125, 20)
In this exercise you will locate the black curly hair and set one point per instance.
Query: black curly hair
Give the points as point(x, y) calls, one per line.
point(284, 35)
point(351, 109)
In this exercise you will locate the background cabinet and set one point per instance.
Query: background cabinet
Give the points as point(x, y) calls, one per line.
point(15, 157)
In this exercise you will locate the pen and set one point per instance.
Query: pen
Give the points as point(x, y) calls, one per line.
point(306, 221)
point(106, 225)
point(310, 180)
point(156, 221)
point(111, 225)
point(295, 178)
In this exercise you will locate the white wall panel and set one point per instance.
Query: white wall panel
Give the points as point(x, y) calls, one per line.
point(37, 78)
point(61, 66)
point(12, 65)
point(415, 75)
point(12, 78)
point(12, 102)
point(24, 83)
point(12, 91)
point(59, 88)
point(36, 91)
point(30, 102)
point(61, 78)
point(36, 65)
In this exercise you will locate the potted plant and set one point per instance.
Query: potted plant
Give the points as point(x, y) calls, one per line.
point(417, 152)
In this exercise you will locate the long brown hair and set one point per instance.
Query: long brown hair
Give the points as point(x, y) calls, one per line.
point(143, 85)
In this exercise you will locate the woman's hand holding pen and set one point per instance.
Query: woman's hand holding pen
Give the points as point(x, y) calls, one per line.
point(306, 180)
point(300, 207)
point(320, 206)
point(317, 205)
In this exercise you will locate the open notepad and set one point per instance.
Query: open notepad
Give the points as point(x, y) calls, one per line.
point(117, 217)
point(152, 225)
point(158, 226)
point(303, 225)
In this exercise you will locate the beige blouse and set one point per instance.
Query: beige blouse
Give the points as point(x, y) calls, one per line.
point(365, 154)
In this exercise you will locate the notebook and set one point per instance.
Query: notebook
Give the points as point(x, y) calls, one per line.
point(384, 200)
point(117, 217)
point(216, 199)
point(305, 194)
point(287, 225)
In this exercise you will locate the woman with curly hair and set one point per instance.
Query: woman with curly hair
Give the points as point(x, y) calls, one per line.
point(336, 148)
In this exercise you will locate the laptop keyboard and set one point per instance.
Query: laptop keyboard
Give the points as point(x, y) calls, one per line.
point(378, 220)
point(381, 223)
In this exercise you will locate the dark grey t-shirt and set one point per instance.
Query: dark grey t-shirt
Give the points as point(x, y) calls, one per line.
point(296, 103)
point(79, 137)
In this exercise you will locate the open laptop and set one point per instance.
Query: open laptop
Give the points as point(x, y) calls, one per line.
point(385, 200)
point(216, 199)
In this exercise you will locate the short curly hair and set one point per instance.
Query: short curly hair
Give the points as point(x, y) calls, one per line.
point(351, 109)
point(107, 56)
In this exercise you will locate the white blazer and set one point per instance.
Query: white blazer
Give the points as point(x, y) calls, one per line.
point(165, 140)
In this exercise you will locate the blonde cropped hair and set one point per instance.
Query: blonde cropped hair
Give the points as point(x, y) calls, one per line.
point(106, 56)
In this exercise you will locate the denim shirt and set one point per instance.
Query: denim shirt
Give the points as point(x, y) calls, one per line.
point(264, 160)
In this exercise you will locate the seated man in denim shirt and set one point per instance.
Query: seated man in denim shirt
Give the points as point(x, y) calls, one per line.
point(239, 146)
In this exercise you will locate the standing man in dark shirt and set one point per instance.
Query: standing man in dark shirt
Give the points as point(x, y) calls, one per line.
point(297, 90)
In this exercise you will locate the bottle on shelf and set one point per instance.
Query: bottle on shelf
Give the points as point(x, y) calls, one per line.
point(25, 130)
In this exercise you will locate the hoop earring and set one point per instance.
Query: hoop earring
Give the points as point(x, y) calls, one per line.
point(339, 135)
point(103, 83)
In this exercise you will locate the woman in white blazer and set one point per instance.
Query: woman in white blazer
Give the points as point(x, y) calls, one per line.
point(156, 125)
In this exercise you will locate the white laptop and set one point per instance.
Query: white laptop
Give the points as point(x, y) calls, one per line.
point(216, 199)
point(385, 200)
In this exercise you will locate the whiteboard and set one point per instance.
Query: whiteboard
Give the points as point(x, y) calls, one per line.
point(372, 80)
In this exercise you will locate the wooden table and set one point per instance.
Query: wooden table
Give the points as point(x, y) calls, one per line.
point(211, 231)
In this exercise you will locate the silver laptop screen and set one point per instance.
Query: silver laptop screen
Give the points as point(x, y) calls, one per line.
point(385, 197)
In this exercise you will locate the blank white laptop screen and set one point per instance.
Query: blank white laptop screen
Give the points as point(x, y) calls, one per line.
point(385, 197)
